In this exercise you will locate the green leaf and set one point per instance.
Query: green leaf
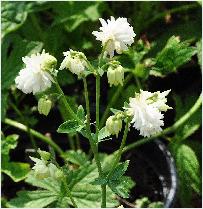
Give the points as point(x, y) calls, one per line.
point(70, 126)
point(16, 170)
point(173, 55)
point(13, 16)
point(199, 52)
point(188, 171)
point(76, 157)
point(119, 170)
point(8, 143)
point(121, 186)
point(32, 199)
point(12, 62)
point(103, 133)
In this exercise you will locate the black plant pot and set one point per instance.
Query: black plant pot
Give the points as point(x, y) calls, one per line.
point(153, 170)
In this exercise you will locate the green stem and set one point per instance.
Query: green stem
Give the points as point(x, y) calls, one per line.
point(69, 193)
point(67, 106)
point(168, 130)
point(34, 133)
point(97, 103)
point(114, 99)
point(71, 142)
point(119, 153)
point(92, 143)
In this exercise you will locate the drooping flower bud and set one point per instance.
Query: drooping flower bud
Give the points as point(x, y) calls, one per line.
point(115, 75)
point(114, 125)
point(44, 106)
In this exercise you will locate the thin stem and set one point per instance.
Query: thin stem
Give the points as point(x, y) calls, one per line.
point(71, 142)
point(67, 106)
point(168, 130)
point(119, 153)
point(92, 144)
point(34, 133)
point(77, 141)
point(114, 99)
point(97, 103)
point(69, 193)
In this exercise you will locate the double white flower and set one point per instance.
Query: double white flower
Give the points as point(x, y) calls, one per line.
point(74, 61)
point(36, 77)
point(115, 35)
point(145, 110)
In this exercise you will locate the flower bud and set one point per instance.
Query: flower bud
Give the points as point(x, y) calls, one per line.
point(48, 62)
point(54, 171)
point(44, 106)
point(115, 75)
point(44, 155)
point(114, 125)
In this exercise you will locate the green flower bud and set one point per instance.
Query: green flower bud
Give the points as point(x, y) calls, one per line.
point(44, 155)
point(114, 125)
point(115, 75)
point(44, 106)
point(49, 62)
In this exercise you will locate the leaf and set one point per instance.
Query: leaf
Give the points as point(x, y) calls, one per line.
point(121, 186)
point(13, 16)
point(16, 170)
point(199, 52)
point(173, 55)
point(32, 199)
point(103, 133)
point(70, 126)
point(72, 14)
point(76, 157)
point(120, 170)
point(12, 62)
point(188, 171)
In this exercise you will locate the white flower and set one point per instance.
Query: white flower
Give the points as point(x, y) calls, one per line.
point(114, 125)
point(74, 61)
point(35, 77)
point(40, 168)
point(146, 109)
point(115, 75)
point(118, 33)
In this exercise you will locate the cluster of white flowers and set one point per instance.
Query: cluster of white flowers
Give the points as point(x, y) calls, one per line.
point(74, 61)
point(145, 109)
point(115, 35)
point(36, 76)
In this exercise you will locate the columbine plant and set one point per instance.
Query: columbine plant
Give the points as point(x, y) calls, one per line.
point(144, 111)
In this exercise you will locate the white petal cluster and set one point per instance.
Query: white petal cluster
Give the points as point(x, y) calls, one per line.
point(116, 33)
point(145, 110)
point(74, 62)
point(43, 169)
point(35, 77)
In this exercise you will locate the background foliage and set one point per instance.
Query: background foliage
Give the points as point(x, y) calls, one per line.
point(166, 55)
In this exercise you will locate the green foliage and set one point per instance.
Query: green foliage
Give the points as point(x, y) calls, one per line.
point(79, 182)
point(172, 56)
point(81, 113)
point(144, 202)
point(70, 126)
point(188, 171)
point(103, 133)
point(199, 52)
point(16, 170)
